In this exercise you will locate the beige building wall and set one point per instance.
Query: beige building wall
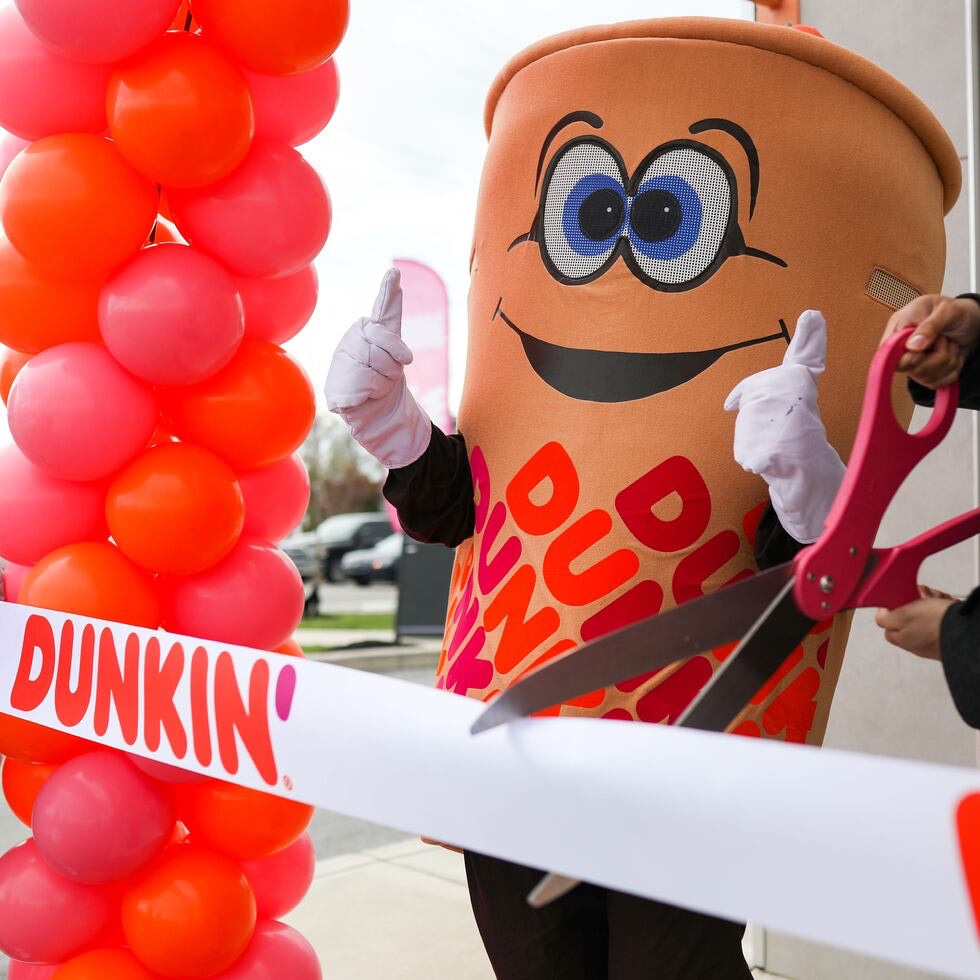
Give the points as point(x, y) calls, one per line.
point(889, 702)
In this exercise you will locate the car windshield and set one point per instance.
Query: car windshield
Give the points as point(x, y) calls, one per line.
point(390, 546)
point(342, 526)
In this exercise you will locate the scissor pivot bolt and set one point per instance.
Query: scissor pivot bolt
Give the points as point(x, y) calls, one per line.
point(827, 584)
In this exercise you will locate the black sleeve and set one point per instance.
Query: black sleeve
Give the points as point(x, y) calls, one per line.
point(434, 495)
point(969, 379)
point(773, 543)
point(959, 643)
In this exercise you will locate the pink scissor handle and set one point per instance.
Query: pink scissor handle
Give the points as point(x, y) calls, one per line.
point(829, 573)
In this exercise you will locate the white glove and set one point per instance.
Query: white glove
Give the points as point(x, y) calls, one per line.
point(779, 434)
point(366, 383)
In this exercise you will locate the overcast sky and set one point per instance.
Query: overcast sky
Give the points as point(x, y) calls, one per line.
point(403, 153)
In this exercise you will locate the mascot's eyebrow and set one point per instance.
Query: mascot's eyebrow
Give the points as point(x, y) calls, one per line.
point(736, 131)
point(573, 117)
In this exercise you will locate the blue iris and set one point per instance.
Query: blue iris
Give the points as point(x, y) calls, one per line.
point(594, 214)
point(665, 217)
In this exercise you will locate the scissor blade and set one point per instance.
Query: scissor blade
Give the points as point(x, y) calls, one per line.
point(701, 624)
point(768, 643)
point(549, 889)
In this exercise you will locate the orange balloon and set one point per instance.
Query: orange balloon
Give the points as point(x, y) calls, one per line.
point(243, 823)
point(11, 361)
point(38, 311)
point(183, 19)
point(22, 781)
point(103, 964)
point(176, 509)
point(255, 411)
point(191, 914)
point(292, 36)
point(92, 579)
point(181, 112)
point(74, 207)
point(290, 648)
point(27, 741)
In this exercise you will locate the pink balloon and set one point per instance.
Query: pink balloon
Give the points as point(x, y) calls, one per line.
point(10, 146)
point(45, 918)
point(277, 309)
point(281, 880)
point(98, 819)
point(254, 597)
point(269, 217)
point(39, 513)
point(276, 951)
point(42, 93)
point(98, 30)
point(163, 773)
point(294, 108)
point(276, 498)
point(18, 970)
point(171, 316)
point(76, 414)
point(13, 580)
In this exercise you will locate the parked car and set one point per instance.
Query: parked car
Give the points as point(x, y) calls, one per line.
point(377, 564)
point(301, 550)
point(348, 532)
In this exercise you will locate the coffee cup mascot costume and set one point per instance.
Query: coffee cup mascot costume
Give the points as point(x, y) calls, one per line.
point(664, 206)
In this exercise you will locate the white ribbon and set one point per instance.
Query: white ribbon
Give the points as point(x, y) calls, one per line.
point(855, 851)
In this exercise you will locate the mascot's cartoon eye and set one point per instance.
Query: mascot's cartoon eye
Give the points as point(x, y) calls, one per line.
point(585, 210)
point(679, 215)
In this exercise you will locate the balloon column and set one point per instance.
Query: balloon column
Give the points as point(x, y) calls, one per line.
point(157, 232)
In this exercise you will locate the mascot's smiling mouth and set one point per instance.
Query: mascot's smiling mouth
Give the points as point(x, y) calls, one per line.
point(618, 376)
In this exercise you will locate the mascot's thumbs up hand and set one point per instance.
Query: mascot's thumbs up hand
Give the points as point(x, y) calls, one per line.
point(779, 434)
point(366, 383)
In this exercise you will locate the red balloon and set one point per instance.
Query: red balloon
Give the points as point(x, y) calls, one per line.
point(22, 781)
point(301, 35)
point(176, 509)
point(294, 108)
point(181, 112)
point(94, 580)
point(276, 498)
point(277, 309)
point(41, 92)
point(191, 914)
point(241, 822)
point(253, 598)
point(280, 880)
point(269, 217)
point(256, 410)
point(27, 741)
point(276, 952)
point(18, 970)
point(45, 918)
point(11, 361)
point(104, 964)
point(69, 185)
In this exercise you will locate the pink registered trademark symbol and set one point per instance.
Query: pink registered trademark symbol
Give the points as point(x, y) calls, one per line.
point(287, 782)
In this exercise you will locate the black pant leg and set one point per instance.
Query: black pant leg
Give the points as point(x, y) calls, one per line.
point(652, 941)
point(565, 940)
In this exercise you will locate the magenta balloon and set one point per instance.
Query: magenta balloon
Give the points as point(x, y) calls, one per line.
point(269, 217)
point(98, 30)
point(276, 951)
point(254, 597)
point(74, 412)
point(281, 880)
point(277, 309)
point(276, 498)
point(10, 146)
point(45, 918)
point(42, 93)
point(163, 773)
point(39, 513)
point(98, 819)
point(13, 580)
point(18, 970)
point(294, 108)
point(172, 315)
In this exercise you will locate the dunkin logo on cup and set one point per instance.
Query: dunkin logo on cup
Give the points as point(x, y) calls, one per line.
point(185, 698)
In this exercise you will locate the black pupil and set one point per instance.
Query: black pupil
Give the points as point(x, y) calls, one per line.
point(655, 215)
point(600, 215)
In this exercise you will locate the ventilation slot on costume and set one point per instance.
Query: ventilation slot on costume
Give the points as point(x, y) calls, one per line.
point(890, 290)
